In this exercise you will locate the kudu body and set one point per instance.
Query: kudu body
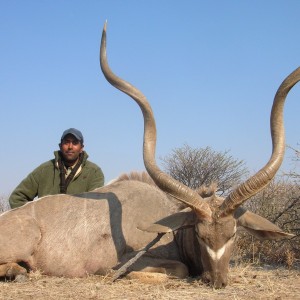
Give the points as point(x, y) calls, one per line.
point(93, 232)
point(206, 245)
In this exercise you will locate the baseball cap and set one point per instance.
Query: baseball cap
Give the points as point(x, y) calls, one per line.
point(77, 133)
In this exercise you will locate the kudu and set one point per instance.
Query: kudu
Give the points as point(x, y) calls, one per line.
point(95, 232)
point(210, 224)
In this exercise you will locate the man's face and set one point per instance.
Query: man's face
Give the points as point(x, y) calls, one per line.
point(70, 148)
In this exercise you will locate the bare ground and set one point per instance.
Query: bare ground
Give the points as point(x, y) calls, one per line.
point(245, 282)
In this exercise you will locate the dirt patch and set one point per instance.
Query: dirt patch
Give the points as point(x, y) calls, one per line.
point(245, 282)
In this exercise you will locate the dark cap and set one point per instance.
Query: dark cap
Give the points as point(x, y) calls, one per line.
point(74, 132)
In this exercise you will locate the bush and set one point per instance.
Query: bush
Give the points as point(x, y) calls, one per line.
point(4, 205)
point(196, 167)
point(280, 204)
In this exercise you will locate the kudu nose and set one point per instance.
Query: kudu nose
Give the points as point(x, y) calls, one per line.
point(219, 281)
point(216, 280)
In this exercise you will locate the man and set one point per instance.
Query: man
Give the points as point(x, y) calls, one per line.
point(68, 173)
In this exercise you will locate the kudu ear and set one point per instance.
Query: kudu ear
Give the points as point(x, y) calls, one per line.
point(184, 218)
point(260, 227)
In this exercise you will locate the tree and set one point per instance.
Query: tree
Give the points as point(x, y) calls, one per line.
point(203, 166)
point(294, 173)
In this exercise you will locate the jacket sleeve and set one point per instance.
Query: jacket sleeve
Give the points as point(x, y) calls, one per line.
point(26, 191)
point(96, 179)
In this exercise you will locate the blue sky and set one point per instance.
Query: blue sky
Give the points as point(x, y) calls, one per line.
point(210, 70)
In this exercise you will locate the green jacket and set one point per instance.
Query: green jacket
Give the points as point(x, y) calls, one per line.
point(45, 180)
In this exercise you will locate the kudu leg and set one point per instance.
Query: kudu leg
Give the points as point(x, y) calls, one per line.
point(13, 271)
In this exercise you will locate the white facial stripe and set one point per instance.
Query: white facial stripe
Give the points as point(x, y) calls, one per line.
point(216, 255)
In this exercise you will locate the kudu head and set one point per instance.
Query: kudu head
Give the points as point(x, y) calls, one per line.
point(215, 220)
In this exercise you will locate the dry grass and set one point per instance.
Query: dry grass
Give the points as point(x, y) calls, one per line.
point(245, 282)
